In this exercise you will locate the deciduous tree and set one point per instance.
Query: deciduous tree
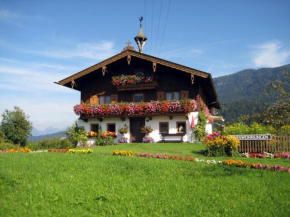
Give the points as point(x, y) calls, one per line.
point(16, 126)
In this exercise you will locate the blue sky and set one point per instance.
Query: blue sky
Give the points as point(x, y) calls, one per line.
point(45, 41)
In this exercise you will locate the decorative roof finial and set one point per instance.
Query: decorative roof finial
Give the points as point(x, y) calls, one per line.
point(140, 38)
point(140, 19)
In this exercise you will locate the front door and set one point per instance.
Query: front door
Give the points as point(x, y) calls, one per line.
point(135, 129)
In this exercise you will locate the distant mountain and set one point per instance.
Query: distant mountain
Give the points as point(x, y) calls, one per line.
point(47, 136)
point(243, 92)
point(49, 130)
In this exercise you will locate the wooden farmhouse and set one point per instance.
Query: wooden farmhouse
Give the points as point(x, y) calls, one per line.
point(134, 89)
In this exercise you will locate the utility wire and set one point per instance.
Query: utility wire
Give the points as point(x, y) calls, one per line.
point(145, 16)
point(164, 27)
point(158, 27)
point(152, 26)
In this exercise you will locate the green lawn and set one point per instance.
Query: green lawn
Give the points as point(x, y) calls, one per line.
point(99, 184)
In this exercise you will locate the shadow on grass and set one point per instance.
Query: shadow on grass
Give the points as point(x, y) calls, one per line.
point(199, 152)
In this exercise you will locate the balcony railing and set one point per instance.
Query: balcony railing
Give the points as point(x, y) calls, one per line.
point(132, 109)
point(139, 86)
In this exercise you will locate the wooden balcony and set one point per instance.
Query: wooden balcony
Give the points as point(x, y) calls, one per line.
point(140, 86)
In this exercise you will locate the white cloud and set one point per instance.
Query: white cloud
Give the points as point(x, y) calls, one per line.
point(96, 51)
point(270, 54)
point(44, 112)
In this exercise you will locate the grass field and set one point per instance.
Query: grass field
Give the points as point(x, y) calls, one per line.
point(99, 184)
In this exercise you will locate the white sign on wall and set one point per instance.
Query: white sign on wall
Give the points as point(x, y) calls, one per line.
point(254, 137)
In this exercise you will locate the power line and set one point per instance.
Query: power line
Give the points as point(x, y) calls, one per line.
point(152, 26)
point(145, 16)
point(164, 27)
point(158, 27)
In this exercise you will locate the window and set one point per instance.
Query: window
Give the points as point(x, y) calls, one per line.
point(94, 127)
point(138, 97)
point(181, 127)
point(111, 127)
point(172, 96)
point(105, 99)
point(163, 127)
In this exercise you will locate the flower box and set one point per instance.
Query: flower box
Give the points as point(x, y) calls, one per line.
point(141, 108)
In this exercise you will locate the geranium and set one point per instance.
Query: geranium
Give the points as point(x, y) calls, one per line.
point(130, 79)
point(153, 107)
point(107, 134)
point(92, 134)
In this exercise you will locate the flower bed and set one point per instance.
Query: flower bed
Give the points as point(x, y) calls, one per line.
point(124, 153)
point(239, 163)
point(140, 108)
point(148, 139)
point(236, 163)
point(64, 150)
point(123, 140)
point(130, 79)
point(22, 150)
point(283, 155)
point(82, 151)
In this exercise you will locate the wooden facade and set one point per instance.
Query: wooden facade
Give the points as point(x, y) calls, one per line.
point(95, 84)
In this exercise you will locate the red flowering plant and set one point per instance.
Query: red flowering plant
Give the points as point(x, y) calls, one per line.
point(140, 108)
point(130, 79)
point(108, 137)
point(92, 134)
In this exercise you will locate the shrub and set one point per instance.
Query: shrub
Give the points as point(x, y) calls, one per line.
point(16, 126)
point(217, 145)
point(77, 135)
point(7, 146)
point(108, 137)
point(199, 131)
point(243, 129)
point(99, 139)
point(54, 143)
point(284, 130)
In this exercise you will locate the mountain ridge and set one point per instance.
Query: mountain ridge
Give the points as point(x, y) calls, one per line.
point(242, 93)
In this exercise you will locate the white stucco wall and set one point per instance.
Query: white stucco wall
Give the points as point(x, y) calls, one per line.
point(154, 124)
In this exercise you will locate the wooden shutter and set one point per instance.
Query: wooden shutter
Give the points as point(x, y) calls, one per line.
point(184, 94)
point(160, 96)
point(94, 99)
point(114, 98)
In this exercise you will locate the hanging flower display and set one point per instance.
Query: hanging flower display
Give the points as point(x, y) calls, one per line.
point(140, 108)
point(130, 79)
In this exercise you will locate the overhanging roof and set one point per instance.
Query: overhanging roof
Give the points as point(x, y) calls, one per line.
point(134, 54)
